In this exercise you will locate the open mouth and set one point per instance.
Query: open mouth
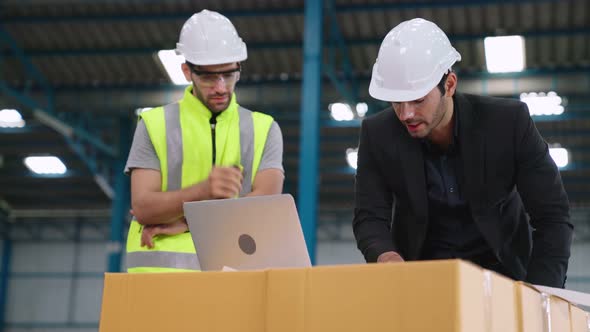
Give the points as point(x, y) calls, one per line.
point(413, 127)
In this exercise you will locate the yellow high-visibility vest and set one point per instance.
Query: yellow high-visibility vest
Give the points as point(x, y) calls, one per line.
point(181, 135)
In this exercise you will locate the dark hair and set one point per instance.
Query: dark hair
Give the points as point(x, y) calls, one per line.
point(443, 80)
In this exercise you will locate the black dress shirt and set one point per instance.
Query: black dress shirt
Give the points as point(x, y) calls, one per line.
point(452, 233)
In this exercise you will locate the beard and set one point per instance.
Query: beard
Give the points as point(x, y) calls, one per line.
point(209, 101)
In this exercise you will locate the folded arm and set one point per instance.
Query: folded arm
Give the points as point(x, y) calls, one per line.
point(152, 206)
point(268, 182)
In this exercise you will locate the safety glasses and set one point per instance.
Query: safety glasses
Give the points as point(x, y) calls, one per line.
point(210, 79)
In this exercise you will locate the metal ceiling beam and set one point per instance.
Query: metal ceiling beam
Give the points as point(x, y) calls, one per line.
point(45, 113)
point(15, 50)
point(245, 81)
point(18, 95)
point(285, 45)
point(183, 15)
point(71, 132)
point(353, 8)
point(129, 18)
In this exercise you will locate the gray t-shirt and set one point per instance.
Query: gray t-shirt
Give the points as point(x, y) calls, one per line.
point(143, 154)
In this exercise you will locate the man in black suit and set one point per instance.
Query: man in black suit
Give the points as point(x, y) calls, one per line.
point(448, 175)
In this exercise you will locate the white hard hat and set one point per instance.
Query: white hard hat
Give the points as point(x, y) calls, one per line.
point(209, 38)
point(412, 60)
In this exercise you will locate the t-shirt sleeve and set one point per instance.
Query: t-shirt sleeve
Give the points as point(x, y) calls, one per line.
point(142, 153)
point(272, 157)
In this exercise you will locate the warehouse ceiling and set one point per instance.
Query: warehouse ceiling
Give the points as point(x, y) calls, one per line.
point(90, 64)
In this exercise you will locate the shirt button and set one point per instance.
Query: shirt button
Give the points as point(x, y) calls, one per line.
point(452, 189)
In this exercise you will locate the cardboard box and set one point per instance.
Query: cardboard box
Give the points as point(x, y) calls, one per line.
point(537, 311)
point(418, 296)
point(421, 296)
point(560, 314)
point(530, 309)
point(192, 301)
point(578, 319)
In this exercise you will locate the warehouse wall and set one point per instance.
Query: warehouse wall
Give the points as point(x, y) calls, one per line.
point(55, 286)
point(579, 268)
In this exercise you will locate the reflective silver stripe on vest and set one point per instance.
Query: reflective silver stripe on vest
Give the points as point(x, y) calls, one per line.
point(166, 259)
point(246, 147)
point(173, 146)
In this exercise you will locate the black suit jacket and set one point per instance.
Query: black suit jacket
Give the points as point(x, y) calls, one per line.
point(510, 181)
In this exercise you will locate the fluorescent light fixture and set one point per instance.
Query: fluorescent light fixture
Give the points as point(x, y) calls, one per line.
point(504, 54)
point(351, 157)
point(543, 104)
point(361, 109)
point(172, 62)
point(142, 109)
point(45, 165)
point(341, 112)
point(11, 118)
point(560, 156)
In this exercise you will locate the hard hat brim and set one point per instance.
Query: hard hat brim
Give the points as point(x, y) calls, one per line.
point(200, 61)
point(390, 95)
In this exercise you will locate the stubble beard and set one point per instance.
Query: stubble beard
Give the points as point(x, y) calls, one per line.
point(209, 105)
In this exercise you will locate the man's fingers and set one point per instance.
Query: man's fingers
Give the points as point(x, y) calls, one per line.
point(149, 232)
point(147, 236)
point(226, 190)
point(143, 238)
point(150, 238)
point(230, 173)
point(225, 182)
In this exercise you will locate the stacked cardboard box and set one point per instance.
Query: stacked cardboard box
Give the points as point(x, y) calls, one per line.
point(417, 296)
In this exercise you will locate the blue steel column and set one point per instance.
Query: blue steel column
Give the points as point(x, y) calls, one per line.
point(4, 276)
point(120, 205)
point(307, 193)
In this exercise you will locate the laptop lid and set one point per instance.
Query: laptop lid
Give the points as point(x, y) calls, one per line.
point(247, 233)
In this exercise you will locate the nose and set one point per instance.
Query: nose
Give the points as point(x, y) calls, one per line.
point(405, 111)
point(220, 84)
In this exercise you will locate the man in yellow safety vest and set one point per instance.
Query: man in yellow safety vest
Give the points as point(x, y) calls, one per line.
point(205, 146)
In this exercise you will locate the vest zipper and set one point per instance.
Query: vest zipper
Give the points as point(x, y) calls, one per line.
point(213, 122)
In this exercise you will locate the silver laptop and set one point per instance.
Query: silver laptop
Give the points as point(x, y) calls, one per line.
point(247, 233)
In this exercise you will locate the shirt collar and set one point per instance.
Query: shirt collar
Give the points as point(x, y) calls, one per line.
point(192, 103)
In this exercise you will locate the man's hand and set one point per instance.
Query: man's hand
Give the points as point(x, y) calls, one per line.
point(224, 182)
point(149, 231)
point(390, 257)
